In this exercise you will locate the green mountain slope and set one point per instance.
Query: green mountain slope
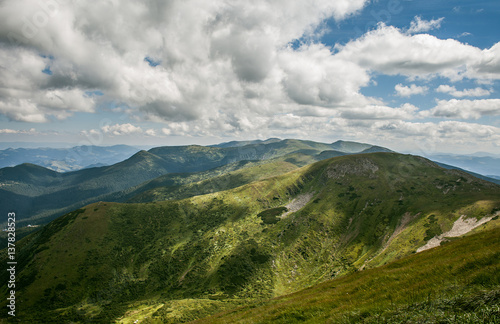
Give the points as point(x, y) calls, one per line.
point(245, 172)
point(456, 283)
point(38, 195)
point(190, 258)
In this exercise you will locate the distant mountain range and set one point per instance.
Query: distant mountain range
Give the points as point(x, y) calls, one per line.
point(67, 159)
point(488, 165)
point(39, 194)
point(235, 233)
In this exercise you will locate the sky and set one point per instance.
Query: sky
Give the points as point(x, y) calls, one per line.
point(415, 76)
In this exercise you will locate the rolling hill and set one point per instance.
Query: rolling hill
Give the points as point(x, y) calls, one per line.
point(38, 195)
point(180, 260)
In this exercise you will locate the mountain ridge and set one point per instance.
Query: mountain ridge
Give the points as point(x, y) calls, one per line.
point(234, 245)
point(48, 195)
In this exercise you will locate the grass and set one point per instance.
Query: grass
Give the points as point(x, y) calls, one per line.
point(455, 283)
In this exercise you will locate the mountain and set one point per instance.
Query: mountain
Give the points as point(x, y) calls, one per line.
point(39, 195)
point(493, 179)
point(180, 260)
point(14, 145)
point(36, 193)
point(486, 165)
point(66, 159)
point(350, 147)
point(244, 143)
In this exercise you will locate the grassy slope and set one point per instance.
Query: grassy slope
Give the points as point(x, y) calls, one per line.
point(457, 282)
point(182, 185)
point(38, 194)
point(213, 250)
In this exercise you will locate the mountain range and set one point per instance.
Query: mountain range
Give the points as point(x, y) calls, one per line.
point(237, 236)
point(39, 194)
point(488, 165)
point(67, 159)
point(262, 231)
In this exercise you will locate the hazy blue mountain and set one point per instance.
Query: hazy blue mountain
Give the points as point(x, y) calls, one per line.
point(6, 145)
point(67, 159)
point(493, 179)
point(486, 165)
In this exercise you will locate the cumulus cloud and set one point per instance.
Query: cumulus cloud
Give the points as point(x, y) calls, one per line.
point(121, 129)
point(209, 54)
point(465, 109)
point(405, 112)
point(313, 76)
point(225, 68)
point(419, 25)
point(405, 91)
point(389, 50)
point(476, 92)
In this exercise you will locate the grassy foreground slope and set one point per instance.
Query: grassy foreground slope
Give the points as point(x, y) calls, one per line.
point(176, 261)
point(455, 283)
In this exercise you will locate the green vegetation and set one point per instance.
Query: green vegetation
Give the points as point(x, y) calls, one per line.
point(433, 228)
point(270, 216)
point(40, 195)
point(456, 283)
point(179, 260)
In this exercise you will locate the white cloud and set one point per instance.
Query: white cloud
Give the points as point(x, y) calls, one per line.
point(31, 131)
point(150, 132)
point(418, 25)
point(390, 51)
point(313, 76)
point(211, 53)
point(465, 109)
point(464, 34)
point(405, 91)
point(227, 68)
point(405, 112)
point(121, 129)
point(476, 92)
point(26, 94)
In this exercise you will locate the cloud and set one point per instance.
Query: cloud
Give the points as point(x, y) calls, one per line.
point(405, 112)
point(31, 131)
point(219, 68)
point(313, 76)
point(390, 51)
point(150, 132)
point(464, 34)
point(207, 54)
point(121, 129)
point(405, 91)
point(476, 92)
point(465, 109)
point(418, 25)
point(25, 94)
